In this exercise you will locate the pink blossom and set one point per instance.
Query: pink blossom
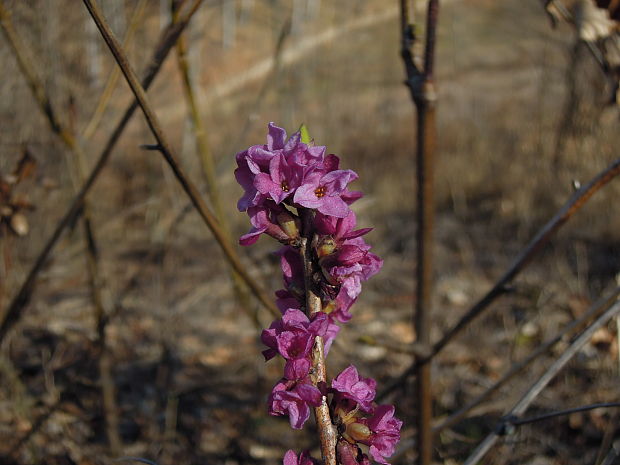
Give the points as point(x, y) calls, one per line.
point(263, 220)
point(281, 180)
point(293, 335)
point(339, 228)
point(385, 433)
point(349, 385)
point(294, 399)
point(322, 192)
point(350, 454)
point(290, 458)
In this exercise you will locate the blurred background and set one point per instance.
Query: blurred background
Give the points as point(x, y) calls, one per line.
point(523, 115)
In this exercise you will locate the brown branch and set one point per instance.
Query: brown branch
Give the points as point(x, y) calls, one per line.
point(171, 158)
point(544, 235)
point(110, 85)
point(593, 312)
point(208, 167)
point(166, 41)
point(76, 164)
point(327, 431)
point(424, 97)
point(522, 405)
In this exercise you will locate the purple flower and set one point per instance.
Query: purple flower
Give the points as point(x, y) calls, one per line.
point(350, 454)
point(339, 228)
point(292, 267)
point(349, 385)
point(263, 219)
point(276, 137)
point(244, 174)
point(385, 433)
point(281, 181)
point(293, 335)
point(290, 458)
point(322, 192)
point(275, 170)
point(294, 399)
point(285, 300)
point(330, 334)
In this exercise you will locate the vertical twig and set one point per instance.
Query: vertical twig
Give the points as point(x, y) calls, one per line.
point(421, 86)
point(77, 164)
point(110, 85)
point(327, 432)
point(208, 166)
point(171, 158)
point(525, 256)
point(166, 41)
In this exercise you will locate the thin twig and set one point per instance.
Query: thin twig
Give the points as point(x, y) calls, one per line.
point(166, 41)
point(77, 164)
point(533, 392)
point(327, 431)
point(593, 312)
point(509, 422)
point(171, 158)
point(544, 235)
point(110, 85)
point(208, 167)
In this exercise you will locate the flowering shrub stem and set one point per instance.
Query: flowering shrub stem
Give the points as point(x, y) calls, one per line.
point(297, 194)
point(327, 433)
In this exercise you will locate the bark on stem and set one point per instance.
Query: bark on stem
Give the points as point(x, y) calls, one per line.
point(327, 431)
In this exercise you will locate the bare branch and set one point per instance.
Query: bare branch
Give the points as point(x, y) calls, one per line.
point(110, 85)
point(171, 158)
point(544, 235)
point(166, 41)
point(208, 166)
point(592, 312)
point(536, 388)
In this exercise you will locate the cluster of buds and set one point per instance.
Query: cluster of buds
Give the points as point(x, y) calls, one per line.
point(287, 182)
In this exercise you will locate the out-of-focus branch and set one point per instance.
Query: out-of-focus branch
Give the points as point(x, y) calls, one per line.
point(77, 164)
point(166, 41)
point(542, 382)
point(110, 85)
point(593, 312)
point(544, 235)
point(171, 158)
point(208, 166)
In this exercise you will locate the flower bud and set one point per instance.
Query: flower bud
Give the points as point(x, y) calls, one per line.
point(326, 246)
point(358, 431)
point(289, 224)
point(329, 307)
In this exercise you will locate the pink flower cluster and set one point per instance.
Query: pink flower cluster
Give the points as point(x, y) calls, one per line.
point(282, 180)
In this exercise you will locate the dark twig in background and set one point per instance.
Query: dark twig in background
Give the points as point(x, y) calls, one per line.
point(544, 235)
point(422, 87)
point(536, 388)
point(108, 91)
point(208, 166)
point(509, 423)
point(76, 163)
point(593, 312)
point(171, 158)
point(166, 41)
